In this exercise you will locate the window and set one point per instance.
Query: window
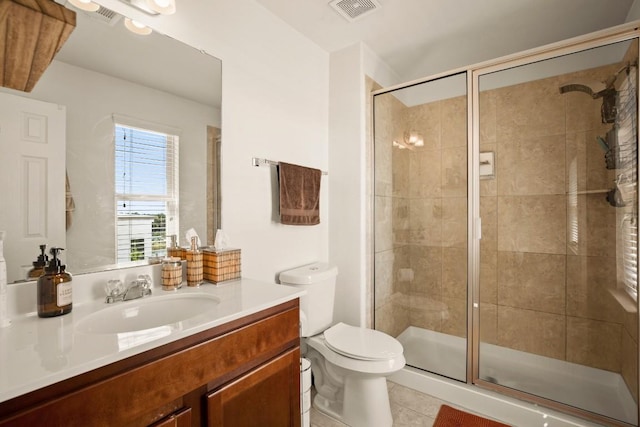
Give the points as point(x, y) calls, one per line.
point(627, 169)
point(137, 249)
point(630, 254)
point(146, 191)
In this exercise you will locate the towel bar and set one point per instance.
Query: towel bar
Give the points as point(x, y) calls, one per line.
point(255, 161)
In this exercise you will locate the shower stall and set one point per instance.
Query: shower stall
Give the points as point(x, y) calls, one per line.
point(505, 225)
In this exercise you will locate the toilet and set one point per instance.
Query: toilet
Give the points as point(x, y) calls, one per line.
point(349, 364)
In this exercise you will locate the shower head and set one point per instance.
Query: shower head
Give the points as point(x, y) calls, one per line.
point(593, 88)
point(596, 89)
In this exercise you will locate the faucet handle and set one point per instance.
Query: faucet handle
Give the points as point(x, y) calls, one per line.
point(142, 284)
point(114, 289)
point(145, 281)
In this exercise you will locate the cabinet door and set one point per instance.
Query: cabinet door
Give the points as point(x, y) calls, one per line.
point(268, 396)
point(181, 418)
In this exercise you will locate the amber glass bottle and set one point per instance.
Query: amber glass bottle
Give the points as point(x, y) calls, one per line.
point(54, 288)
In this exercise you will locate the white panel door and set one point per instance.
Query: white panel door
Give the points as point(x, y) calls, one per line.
point(32, 179)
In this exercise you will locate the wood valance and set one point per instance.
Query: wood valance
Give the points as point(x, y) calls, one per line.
point(31, 33)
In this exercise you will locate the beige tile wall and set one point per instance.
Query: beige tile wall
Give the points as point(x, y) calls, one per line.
point(547, 253)
point(424, 220)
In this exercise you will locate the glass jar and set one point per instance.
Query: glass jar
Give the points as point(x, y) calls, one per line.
point(171, 273)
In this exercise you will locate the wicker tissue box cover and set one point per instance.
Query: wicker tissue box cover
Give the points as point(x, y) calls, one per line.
point(221, 265)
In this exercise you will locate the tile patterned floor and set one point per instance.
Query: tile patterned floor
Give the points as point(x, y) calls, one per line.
point(409, 408)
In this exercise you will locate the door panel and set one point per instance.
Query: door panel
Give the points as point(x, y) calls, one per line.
point(32, 143)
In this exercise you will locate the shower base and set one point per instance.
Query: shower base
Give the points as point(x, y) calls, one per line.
point(595, 390)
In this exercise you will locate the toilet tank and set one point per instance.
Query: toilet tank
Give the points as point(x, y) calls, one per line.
point(316, 307)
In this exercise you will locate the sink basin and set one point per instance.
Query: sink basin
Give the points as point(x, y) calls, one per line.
point(146, 313)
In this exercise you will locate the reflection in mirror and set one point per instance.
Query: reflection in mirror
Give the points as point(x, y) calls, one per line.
point(133, 124)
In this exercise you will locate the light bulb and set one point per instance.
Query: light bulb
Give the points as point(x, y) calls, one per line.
point(137, 27)
point(87, 5)
point(163, 7)
point(413, 138)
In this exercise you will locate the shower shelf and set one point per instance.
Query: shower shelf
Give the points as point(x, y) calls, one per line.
point(591, 191)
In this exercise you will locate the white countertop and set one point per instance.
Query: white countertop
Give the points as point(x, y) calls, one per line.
point(36, 352)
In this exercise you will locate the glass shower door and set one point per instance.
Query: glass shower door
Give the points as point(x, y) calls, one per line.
point(558, 254)
point(420, 219)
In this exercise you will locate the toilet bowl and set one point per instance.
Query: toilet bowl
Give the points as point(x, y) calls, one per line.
point(349, 364)
point(350, 376)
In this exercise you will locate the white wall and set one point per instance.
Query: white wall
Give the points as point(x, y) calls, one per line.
point(377, 69)
point(348, 167)
point(350, 157)
point(634, 11)
point(274, 105)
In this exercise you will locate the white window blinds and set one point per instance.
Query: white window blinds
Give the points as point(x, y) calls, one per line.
point(627, 165)
point(146, 191)
point(630, 255)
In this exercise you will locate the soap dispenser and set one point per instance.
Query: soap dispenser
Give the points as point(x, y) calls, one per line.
point(39, 264)
point(54, 288)
point(194, 264)
point(174, 250)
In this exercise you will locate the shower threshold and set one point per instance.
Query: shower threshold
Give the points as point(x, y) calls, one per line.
point(591, 389)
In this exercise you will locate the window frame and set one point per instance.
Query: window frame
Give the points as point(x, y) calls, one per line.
point(171, 199)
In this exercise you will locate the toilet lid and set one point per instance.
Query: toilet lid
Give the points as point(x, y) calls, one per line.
point(362, 343)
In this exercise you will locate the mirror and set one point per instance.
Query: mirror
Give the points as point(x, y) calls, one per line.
point(105, 75)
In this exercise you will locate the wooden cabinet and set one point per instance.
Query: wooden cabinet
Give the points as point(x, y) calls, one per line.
point(245, 372)
point(266, 396)
point(182, 418)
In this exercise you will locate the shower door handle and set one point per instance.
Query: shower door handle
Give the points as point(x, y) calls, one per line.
point(478, 228)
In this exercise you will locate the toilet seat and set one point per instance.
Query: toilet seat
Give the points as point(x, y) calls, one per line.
point(362, 343)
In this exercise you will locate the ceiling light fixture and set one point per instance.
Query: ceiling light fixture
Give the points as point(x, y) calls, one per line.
point(163, 7)
point(414, 138)
point(86, 5)
point(137, 27)
point(154, 7)
point(411, 139)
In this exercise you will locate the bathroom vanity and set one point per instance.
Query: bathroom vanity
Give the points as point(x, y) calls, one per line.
point(237, 363)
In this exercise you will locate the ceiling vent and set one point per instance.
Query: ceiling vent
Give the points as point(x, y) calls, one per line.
point(106, 15)
point(352, 10)
point(103, 14)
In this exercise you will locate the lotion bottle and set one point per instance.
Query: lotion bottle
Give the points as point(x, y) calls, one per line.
point(39, 264)
point(174, 250)
point(54, 288)
point(194, 264)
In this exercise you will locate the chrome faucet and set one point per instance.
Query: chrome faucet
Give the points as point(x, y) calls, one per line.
point(138, 288)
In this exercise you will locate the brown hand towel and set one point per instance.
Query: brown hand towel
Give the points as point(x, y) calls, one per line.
point(299, 194)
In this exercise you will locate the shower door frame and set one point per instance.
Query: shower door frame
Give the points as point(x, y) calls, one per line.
point(621, 33)
point(578, 44)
